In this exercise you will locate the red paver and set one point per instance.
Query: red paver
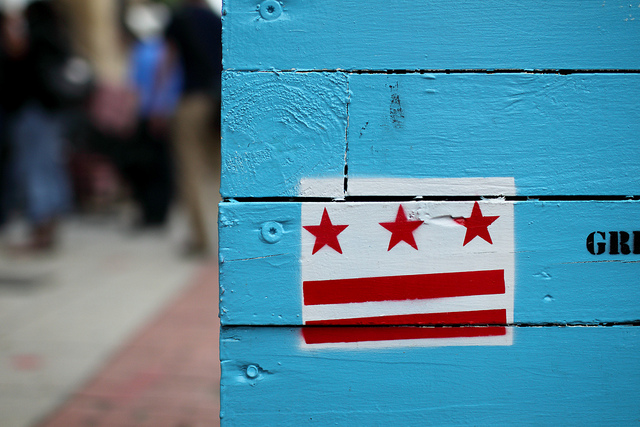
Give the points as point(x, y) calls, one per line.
point(167, 376)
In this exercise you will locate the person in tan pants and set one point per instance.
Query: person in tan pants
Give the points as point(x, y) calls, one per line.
point(194, 37)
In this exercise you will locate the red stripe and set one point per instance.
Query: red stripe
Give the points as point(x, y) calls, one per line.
point(480, 317)
point(398, 288)
point(325, 335)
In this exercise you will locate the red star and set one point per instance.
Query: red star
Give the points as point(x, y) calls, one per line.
point(402, 229)
point(477, 225)
point(326, 233)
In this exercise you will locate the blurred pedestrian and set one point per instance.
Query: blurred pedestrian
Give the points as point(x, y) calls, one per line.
point(10, 46)
point(41, 78)
point(149, 169)
point(194, 37)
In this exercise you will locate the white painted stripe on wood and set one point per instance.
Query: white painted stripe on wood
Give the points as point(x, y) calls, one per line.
point(500, 340)
point(394, 308)
point(322, 187)
point(498, 186)
point(334, 187)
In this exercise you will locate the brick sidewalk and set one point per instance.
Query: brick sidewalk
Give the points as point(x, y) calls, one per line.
point(168, 375)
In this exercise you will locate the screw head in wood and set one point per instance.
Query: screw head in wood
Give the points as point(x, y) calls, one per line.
point(252, 371)
point(270, 9)
point(271, 231)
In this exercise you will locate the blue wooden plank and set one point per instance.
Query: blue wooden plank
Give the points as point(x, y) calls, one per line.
point(284, 134)
point(378, 35)
point(258, 254)
point(549, 376)
point(557, 279)
point(278, 128)
point(555, 134)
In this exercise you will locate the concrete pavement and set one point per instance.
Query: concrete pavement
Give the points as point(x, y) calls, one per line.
point(113, 316)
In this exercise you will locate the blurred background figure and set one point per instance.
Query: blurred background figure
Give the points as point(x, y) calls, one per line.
point(150, 125)
point(150, 169)
point(194, 38)
point(12, 47)
point(112, 328)
point(42, 79)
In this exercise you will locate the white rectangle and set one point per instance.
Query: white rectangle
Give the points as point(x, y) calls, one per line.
point(446, 237)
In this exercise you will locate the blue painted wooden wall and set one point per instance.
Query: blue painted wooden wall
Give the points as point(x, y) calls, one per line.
point(530, 109)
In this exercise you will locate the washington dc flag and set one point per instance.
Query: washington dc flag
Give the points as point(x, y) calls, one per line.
point(414, 273)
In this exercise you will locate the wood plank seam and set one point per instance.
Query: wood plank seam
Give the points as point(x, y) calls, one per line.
point(448, 325)
point(533, 198)
point(346, 143)
point(562, 72)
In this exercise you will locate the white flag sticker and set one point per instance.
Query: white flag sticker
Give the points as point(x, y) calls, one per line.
point(447, 266)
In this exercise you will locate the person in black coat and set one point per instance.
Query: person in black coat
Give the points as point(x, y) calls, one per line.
point(36, 67)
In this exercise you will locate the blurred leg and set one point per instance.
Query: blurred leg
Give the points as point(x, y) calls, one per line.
point(41, 178)
point(192, 134)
